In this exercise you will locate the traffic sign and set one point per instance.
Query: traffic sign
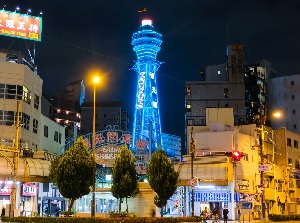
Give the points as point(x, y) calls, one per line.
point(192, 183)
point(264, 168)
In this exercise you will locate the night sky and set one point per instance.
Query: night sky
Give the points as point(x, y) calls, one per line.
point(80, 36)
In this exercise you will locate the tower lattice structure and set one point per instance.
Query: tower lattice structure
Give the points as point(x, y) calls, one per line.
point(146, 43)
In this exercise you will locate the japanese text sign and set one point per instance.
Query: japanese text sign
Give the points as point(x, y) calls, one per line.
point(20, 25)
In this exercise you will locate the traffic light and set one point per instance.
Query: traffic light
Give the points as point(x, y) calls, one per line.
point(236, 155)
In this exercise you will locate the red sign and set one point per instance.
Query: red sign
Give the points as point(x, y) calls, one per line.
point(5, 188)
point(20, 25)
point(29, 189)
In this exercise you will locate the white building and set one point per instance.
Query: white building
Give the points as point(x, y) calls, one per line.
point(19, 82)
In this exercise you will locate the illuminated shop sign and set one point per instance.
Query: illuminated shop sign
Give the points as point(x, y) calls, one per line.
point(5, 188)
point(141, 90)
point(29, 189)
point(212, 196)
point(20, 25)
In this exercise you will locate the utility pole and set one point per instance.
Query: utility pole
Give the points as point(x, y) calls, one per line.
point(192, 151)
point(261, 144)
point(15, 164)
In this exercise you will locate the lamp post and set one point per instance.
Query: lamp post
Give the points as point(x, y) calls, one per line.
point(95, 81)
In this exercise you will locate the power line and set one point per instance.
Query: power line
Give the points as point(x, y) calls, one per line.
point(106, 56)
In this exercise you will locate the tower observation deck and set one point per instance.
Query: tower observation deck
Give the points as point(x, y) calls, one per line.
point(147, 126)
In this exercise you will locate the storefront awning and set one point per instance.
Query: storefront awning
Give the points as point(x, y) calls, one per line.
point(29, 169)
point(219, 174)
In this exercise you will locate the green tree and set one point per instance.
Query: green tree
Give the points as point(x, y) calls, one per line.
point(124, 179)
point(53, 170)
point(162, 178)
point(74, 172)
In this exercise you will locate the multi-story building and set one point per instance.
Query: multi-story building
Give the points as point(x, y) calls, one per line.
point(284, 97)
point(109, 113)
point(233, 84)
point(222, 86)
point(256, 91)
point(271, 155)
point(38, 137)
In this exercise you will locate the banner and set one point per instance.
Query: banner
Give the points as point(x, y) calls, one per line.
point(20, 25)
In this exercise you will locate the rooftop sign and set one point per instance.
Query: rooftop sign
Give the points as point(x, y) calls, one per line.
point(20, 25)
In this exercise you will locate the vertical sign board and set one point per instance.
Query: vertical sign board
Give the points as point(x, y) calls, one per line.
point(20, 25)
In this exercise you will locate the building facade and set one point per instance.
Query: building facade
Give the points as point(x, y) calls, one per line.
point(284, 97)
point(37, 137)
point(109, 113)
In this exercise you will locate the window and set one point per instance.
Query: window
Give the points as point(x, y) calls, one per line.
point(188, 107)
point(188, 91)
point(290, 161)
point(289, 142)
point(225, 92)
point(7, 117)
point(279, 186)
point(104, 115)
point(35, 125)
point(55, 136)
point(226, 105)
point(46, 131)
point(219, 72)
point(293, 97)
point(26, 95)
point(294, 111)
point(292, 82)
point(190, 121)
point(2, 90)
point(11, 91)
point(59, 138)
point(25, 119)
point(295, 126)
point(36, 101)
point(296, 143)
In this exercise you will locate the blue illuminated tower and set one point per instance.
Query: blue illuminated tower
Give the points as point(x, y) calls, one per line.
point(146, 43)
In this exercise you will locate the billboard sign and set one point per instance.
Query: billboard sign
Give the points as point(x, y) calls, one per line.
point(29, 189)
point(5, 188)
point(20, 25)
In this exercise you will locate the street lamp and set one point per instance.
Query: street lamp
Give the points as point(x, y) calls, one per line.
point(95, 81)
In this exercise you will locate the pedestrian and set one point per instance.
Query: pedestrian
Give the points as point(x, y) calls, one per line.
point(239, 213)
point(225, 214)
point(3, 211)
point(214, 215)
point(57, 211)
point(205, 214)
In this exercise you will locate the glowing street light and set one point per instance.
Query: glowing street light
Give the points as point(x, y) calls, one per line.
point(277, 114)
point(96, 80)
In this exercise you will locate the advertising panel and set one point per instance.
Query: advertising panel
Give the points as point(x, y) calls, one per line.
point(20, 25)
point(29, 189)
point(5, 188)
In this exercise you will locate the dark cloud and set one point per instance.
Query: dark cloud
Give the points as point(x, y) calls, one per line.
point(83, 34)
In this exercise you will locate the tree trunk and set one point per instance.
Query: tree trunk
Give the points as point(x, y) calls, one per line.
point(120, 205)
point(126, 206)
point(70, 206)
point(161, 212)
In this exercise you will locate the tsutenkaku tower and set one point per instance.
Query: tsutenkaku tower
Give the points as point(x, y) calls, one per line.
point(146, 43)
